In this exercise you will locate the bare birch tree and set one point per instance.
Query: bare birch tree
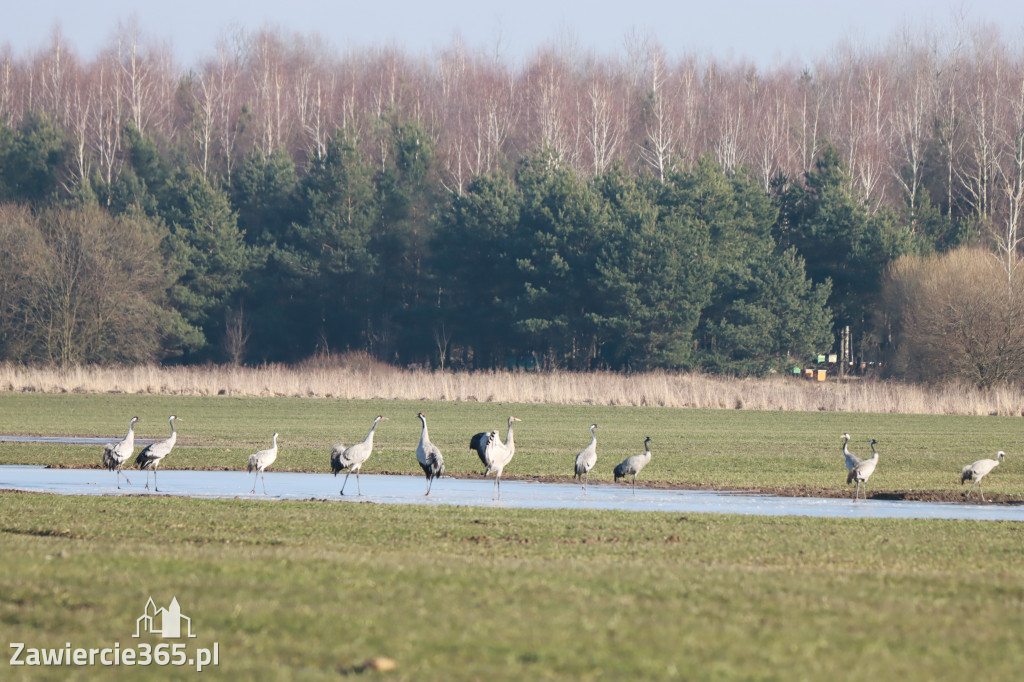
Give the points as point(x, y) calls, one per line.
point(265, 69)
point(980, 104)
point(56, 68)
point(550, 89)
point(658, 148)
point(7, 93)
point(225, 73)
point(810, 104)
point(137, 77)
point(79, 114)
point(107, 119)
point(913, 115)
point(770, 146)
point(605, 126)
point(1010, 172)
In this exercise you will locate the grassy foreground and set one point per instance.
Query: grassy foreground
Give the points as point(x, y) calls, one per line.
point(310, 590)
point(730, 448)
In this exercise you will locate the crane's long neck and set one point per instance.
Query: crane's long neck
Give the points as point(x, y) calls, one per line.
point(509, 442)
point(423, 434)
point(369, 436)
point(846, 450)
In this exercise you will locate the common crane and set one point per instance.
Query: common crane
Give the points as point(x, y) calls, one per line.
point(496, 458)
point(586, 460)
point(428, 456)
point(116, 454)
point(259, 462)
point(634, 465)
point(975, 471)
point(852, 460)
point(351, 459)
point(153, 454)
point(479, 443)
point(862, 472)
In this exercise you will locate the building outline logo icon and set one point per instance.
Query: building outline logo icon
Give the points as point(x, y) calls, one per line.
point(164, 622)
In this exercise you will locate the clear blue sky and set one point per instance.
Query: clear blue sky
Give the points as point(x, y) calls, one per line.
point(766, 32)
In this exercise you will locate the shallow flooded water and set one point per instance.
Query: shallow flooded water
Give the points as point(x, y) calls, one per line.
point(387, 489)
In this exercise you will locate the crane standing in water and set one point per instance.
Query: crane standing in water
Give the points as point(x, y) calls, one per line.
point(586, 460)
point(634, 465)
point(259, 462)
point(428, 456)
point(353, 457)
point(154, 453)
point(116, 454)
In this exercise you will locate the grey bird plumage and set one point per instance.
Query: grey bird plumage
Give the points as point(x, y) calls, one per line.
point(496, 457)
point(852, 460)
point(975, 471)
point(153, 454)
point(631, 466)
point(259, 461)
point(350, 459)
point(586, 460)
point(862, 471)
point(479, 443)
point(428, 456)
point(116, 454)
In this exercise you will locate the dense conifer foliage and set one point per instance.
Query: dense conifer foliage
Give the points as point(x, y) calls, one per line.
point(277, 202)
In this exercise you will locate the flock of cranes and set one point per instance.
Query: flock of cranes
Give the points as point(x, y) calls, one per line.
point(494, 454)
point(859, 470)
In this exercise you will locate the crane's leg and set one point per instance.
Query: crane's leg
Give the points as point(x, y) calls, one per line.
point(634, 484)
point(147, 480)
point(981, 489)
point(263, 477)
point(347, 474)
point(255, 476)
point(856, 492)
point(157, 489)
point(429, 481)
point(359, 490)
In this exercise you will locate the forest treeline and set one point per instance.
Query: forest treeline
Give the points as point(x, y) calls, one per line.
point(280, 200)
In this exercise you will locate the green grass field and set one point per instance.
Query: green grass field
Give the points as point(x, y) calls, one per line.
point(308, 590)
point(311, 590)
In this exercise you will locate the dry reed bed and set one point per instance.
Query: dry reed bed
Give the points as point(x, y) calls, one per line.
point(377, 381)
